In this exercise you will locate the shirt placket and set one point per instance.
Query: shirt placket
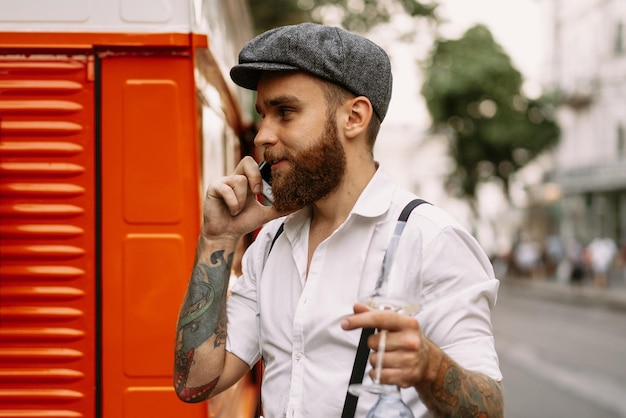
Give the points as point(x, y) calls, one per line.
point(298, 355)
point(297, 362)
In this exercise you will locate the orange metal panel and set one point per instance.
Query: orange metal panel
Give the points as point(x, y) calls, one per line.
point(161, 258)
point(47, 245)
point(158, 401)
point(88, 40)
point(150, 178)
point(152, 156)
point(150, 224)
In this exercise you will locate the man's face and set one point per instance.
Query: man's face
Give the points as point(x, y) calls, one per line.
point(300, 140)
point(312, 173)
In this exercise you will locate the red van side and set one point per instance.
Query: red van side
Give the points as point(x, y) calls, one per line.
point(103, 158)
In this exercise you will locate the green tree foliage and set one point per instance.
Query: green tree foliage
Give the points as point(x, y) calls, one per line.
point(268, 14)
point(473, 92)
point(356, 15)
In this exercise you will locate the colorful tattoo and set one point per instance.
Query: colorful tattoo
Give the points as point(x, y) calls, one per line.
point(220, 332)
point(459, 393)
point(202, 317)
point(200, 306)
point(195, 394)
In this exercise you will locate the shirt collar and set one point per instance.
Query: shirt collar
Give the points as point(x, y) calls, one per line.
point(374, 201)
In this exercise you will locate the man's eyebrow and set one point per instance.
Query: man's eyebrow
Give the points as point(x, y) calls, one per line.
point(280, 101)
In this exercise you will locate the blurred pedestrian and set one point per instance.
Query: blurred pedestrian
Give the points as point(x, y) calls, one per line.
point(577, 260)
point(554, 253)
point(602, 252)
point(527, 255)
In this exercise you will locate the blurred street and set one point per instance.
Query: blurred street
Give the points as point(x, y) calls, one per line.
point(562, 349)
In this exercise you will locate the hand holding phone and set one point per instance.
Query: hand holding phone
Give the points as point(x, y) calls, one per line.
point(266, 174)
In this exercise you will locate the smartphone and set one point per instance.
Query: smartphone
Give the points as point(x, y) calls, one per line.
point(266, 174)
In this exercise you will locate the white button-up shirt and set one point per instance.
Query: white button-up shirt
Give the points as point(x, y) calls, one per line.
point(293, 321)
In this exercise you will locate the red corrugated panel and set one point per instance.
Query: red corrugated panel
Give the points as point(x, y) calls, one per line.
point(47, 243)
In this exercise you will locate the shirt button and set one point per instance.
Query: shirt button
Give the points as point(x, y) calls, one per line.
point(298, 356)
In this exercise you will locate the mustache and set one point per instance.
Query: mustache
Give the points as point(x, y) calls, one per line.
point(274, 157)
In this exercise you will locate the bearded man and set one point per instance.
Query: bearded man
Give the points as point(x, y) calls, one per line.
point(322, 94)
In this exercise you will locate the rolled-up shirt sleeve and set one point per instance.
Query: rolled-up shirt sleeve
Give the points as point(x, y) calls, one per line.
point(459, 290)
point(243, 327)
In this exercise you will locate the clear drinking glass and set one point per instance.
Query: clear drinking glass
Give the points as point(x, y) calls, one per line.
point(400, 293)
point(390, 405)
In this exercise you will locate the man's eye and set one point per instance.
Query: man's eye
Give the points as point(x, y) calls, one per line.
point(283, 111)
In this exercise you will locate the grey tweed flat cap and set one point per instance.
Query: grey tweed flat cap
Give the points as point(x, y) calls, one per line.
point(328, 52)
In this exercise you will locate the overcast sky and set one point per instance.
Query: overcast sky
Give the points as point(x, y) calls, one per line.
point(517, 25)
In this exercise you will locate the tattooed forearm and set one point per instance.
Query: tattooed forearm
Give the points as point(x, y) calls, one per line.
point(460, 393)
point(220, 332)
point(202, 318)
point(204, 303)
point(190, 394)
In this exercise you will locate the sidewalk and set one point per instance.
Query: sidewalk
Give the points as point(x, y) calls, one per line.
point(613, 297)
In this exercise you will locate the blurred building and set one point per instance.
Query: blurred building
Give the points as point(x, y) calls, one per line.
point(577, 193)
point(587, 72)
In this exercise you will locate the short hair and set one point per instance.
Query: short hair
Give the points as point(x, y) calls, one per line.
point(336, 96)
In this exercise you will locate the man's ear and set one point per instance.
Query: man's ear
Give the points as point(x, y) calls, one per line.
point(359, 113)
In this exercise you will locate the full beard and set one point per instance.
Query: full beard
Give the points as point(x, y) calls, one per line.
point(314, 173)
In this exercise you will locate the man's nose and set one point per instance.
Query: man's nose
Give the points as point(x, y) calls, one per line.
point(266, 134)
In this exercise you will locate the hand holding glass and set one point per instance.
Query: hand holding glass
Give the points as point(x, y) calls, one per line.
point(399, 294)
